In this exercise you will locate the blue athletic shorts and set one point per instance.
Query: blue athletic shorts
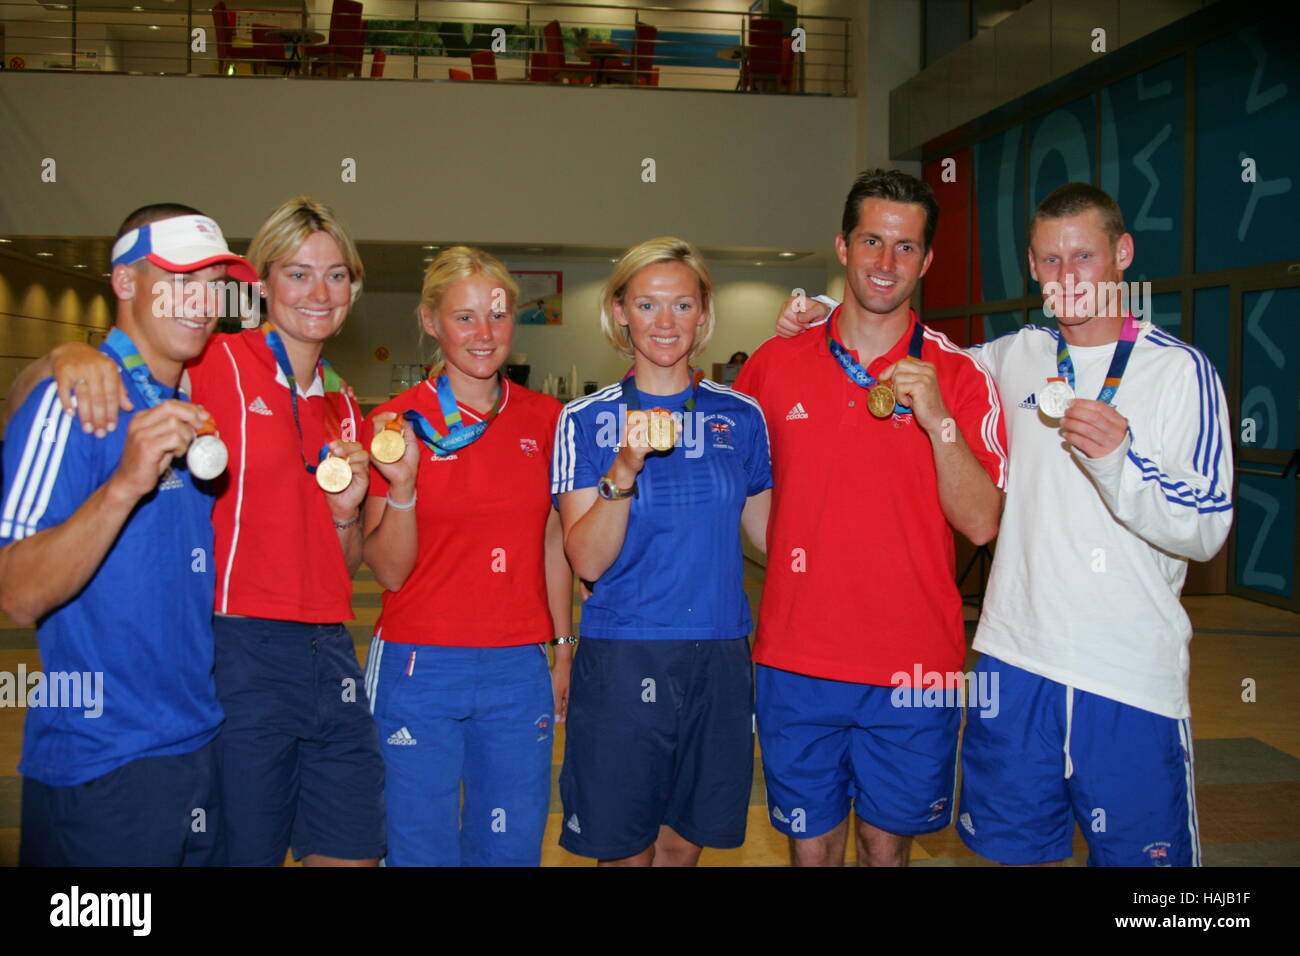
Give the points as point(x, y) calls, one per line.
point(1054, 755)
point(155, 811)
point(827, 744)
point(659, 733)
point(481, 716)
point(300, 758)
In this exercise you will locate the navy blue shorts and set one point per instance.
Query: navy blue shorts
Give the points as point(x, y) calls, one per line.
point(1050, 756)
point(155, 811)
point(300, 757)
point(829, 744)
point(658, 733)
point(478, 716)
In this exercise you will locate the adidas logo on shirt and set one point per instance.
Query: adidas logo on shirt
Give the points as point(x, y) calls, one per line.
point(402, 738)
point(796, 412)
point(573, 824)
point(259, 407)
point(170, 481)
point(1031, 402)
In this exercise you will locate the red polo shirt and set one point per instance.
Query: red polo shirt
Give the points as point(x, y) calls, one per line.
point(277, 553)
point(860, 581)
point(480, 574)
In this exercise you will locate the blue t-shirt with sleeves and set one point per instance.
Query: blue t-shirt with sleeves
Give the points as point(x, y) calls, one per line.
point(126, 663)
point(680, 573)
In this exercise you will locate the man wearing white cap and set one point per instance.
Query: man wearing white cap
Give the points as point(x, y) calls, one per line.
point(106, 547)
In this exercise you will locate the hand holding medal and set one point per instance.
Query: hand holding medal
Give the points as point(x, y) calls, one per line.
point(1095, 428)
point(913, 384)
point(636, 437)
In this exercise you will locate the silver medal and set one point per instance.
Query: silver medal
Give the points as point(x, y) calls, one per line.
point(1054, 398)
point(207, 457)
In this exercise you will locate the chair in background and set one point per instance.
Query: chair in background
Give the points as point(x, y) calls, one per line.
point(544, 65)
point(459, 74)
point(377, 61)
point(342, 54)
point(763, 55)
point(266, 51)
point(223, 23)
point(549, 66)
point(787, 65)
point(484, 65)
point(641, 71)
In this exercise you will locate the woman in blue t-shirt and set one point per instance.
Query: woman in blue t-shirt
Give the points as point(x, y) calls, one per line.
point(659, 754)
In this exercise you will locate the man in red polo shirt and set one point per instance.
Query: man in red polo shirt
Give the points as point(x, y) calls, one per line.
point(885, 437)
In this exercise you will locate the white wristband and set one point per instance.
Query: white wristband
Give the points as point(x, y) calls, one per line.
point(406, 507)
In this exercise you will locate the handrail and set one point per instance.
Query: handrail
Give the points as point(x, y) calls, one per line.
point(693, 48)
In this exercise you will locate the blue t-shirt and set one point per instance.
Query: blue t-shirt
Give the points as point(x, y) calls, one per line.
point(127, 663)
point(680, 573)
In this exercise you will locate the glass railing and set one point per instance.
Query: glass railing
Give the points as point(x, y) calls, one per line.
point(565, 44)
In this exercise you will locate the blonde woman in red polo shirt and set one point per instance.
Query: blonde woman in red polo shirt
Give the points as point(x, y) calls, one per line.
point(301, 763)
point(470, 552)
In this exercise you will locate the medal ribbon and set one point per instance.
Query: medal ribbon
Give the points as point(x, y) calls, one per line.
point(632, 398)
point(1118, 361)
point(858, 374)
point(329, 378)
point(129, 357)
point(458, 433)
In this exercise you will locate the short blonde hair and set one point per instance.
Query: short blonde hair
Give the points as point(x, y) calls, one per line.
point(451, 266)
point(649, 253)
point(291, 225)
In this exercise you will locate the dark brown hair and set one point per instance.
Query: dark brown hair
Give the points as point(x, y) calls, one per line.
point(896, 186)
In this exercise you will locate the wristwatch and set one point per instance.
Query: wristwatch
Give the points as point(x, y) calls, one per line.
point(567, 639)
point(612, 492)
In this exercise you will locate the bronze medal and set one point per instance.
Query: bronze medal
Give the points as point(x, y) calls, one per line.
point(388, 446)
point(881, 401)
point(333, 474)
point(661, 430)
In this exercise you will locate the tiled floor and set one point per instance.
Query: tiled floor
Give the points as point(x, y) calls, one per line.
point(1247, 754)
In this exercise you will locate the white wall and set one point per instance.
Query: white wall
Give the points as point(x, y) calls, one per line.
point(748, 299)
point(474, 162)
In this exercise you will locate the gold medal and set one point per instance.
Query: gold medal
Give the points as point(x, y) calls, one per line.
point(661, 430)
point(880, 400)
point(333, 474)
point(388, 445)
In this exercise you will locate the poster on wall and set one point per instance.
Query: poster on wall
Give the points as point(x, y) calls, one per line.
point(541, 298)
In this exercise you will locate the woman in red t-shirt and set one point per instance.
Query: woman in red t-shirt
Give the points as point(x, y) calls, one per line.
point(468, 548)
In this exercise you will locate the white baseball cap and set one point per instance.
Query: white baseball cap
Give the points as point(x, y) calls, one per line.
point(181, 244)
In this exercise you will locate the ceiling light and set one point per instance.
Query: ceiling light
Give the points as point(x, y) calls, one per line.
point(787, 255)
point(430, 248)
point(45, 255)
point(6, 240)
point(79, 265)
point(154, 27)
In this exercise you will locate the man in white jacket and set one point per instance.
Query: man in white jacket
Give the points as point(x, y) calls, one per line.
point(1108, 498)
